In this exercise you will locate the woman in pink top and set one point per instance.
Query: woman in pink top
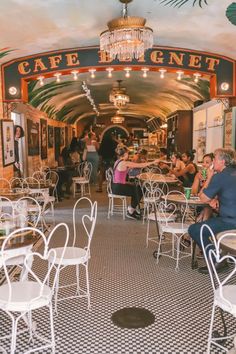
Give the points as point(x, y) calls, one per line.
point(121, 187)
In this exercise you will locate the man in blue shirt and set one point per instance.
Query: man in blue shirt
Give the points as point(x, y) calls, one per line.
point(219, 193)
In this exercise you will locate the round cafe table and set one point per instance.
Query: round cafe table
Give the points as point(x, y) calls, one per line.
point(155, 177)
point(228, 243)
point(18, 247)
point(194, 202)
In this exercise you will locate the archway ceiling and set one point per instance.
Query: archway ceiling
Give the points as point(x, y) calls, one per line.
point(38, 26)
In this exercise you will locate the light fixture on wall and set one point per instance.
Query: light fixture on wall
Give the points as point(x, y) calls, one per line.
point(127, 72)
point(118, 95)
point(196, 77)
point(109, 70)
point(58, 77)
point(145, 71)
point(12, 90)
point(117, 119)
point(224, 86)
point(180, 74)
point(75, 74)
point(162, 73)
point(127, 37)
point(92, 73)
point(41, 80)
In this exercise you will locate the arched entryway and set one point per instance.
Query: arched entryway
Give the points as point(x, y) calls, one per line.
point(117, 130)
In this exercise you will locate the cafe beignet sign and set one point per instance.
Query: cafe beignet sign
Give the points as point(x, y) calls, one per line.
point(16, 73)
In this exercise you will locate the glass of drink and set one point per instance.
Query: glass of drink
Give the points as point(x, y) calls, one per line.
point(187, 192)
point(204, 173)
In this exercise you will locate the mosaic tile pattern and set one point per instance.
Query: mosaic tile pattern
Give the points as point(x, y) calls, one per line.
point(123, 273)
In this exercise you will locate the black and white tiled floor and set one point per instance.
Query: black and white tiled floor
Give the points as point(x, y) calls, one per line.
point(123, 273)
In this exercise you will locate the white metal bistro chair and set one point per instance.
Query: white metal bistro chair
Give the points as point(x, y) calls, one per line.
point(20, 297)
point(83, 179)
point(53, 177)
point(117, 204)
point(31, 209)
point(224, 291)
point(154, 197)
point(75, 255)
point(172, 232)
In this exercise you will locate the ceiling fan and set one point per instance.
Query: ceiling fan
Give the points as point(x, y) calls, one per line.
point(179, 3)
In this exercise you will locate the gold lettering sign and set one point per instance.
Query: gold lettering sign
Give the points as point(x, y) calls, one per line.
point(212, 63)
point(104, 57)
point(156, 57)
point(22, 68)
point(54, 61)
point(72, 59)
point(194, 61)
point(39, 65)
point(176, 58)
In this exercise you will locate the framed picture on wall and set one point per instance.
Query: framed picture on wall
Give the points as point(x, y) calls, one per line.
point(230, 128)
point(8, 141)
point(44, 138)
point(50, 136)
point(57, 139)
point(62, 137)
point(33, 137)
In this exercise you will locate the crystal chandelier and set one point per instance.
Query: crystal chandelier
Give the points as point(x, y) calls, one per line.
point(117, 119)
point(126, 37)
point(118, 96)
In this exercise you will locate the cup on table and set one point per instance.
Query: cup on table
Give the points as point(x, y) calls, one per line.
point(187, 192)
point(204, 173)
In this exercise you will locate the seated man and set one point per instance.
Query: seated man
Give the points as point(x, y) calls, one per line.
point(219, 192)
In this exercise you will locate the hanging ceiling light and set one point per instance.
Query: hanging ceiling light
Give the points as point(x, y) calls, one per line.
point(118, 95)
point(117, 119)
point(126, 37)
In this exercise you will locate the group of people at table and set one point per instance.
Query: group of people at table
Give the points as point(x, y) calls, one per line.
point(214, 184)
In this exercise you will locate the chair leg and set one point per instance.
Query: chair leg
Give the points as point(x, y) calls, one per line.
point(124, 210)
point(52, 328)
point(109, 208)
point(77, 279)
point(210, 329)
point(177, 251)
point(14, 332)
point(87, 285)
point(147, 234)
point(56, 291)
point(159, 247)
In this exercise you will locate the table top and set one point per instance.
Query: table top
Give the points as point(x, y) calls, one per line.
point(178, 198)
point(148, 176)
point(21, 239)
point(12, 194)
point(230, 241)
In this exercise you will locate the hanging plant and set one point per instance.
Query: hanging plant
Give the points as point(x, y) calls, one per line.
point(179, 3)
point(231, 13)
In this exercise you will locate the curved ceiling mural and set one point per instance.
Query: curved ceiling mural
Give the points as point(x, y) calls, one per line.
point(39, 26)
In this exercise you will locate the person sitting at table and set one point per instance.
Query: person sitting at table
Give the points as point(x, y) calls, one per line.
point(140, 156)
point(65, 175)
point(186, 175)
point(121, 187)
point(178, 164)
point(220, 193)
point(199, 182)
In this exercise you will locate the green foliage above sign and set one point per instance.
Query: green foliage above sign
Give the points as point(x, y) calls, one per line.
point(231, 13)
point(179, 3)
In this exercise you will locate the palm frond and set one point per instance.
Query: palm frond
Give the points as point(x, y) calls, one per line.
point(5, 51)
point(179, 3)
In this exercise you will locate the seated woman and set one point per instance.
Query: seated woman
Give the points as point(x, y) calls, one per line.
point(140, 156)
point(178, 164)
point(186, 175)
point(119, 184)
point(199, 184)
point(67, 173)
